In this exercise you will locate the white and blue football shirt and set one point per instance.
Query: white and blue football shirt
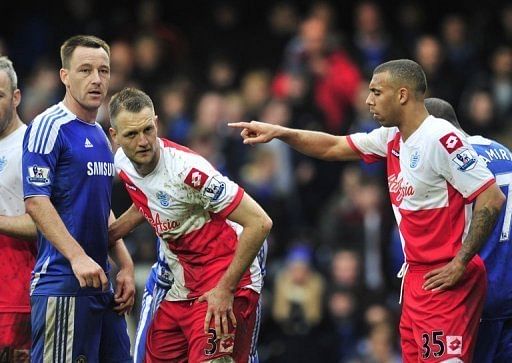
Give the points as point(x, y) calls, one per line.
point(71, 162)
point(497, 251)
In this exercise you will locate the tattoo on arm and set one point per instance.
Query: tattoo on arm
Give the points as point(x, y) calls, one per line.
point(481, 226)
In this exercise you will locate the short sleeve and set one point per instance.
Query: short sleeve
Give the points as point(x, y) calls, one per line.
point(38, 165)
point(370, 146)
point(455, 160)
point(214, 191)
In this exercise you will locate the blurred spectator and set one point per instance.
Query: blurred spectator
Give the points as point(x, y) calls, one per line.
point(411, 23)
point(221, 75)
point(372, 43)
point(255, 90)
point(479, 114)
point(441, 80)
point(333, 74)
point(460, 50)
point(173, 113)
point(298, 305)
point(379, 346)
point(342, 308)
point(42, 88)
point(150, 69)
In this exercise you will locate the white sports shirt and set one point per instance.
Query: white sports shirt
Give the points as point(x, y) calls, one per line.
point(11, 186)
point(187, 201)
point(432, 178)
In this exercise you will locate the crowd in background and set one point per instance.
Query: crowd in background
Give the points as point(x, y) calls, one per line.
point(331, 290)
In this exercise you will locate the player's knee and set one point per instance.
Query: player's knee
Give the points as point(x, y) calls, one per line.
point(223, 359)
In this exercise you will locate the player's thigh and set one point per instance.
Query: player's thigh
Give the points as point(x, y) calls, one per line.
point(115, 343)
point(237, 343)
point(445, 323)
point(407, 339)
point(165, 340)
point(65, 328)
point(489, 334)
point(15, 336)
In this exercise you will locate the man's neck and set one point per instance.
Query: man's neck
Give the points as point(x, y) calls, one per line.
point(80, 112)
point(14, 124)
point(412, 121)
point(145, 169)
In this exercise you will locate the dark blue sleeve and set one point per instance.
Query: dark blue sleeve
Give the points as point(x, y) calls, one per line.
point(38, 166)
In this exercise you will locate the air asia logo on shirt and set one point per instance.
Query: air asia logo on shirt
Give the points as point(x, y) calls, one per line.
point(454, 344)
point(451, 142)
point(163, 198)
point(215, 189)
point(465, 159)
point(399, 188)
point(196, 179)
point(38, 176)
point(3, 163)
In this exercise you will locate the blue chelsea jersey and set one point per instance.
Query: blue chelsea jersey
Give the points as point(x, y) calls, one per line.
point(71, 162)
point(497, 250)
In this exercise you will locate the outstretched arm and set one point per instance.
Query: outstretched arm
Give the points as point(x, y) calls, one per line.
point(21, 227)
point(487, 208)
point(316, 144)
point(256, 226)
point(86, 270)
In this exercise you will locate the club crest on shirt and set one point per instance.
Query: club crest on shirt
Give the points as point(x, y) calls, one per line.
point(3, 163)
point(163, 198)
point(415, 159)
point(38, 175)
point(215, 189)
point(465, 159)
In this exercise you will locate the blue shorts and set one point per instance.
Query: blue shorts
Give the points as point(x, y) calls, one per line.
point(494, 343)
point(78, 329)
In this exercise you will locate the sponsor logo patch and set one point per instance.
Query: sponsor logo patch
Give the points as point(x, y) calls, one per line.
point(38, 175)
point(465, 159)
point(196, 178)
point(215, 189)
point(454, 344)
point(451, 142)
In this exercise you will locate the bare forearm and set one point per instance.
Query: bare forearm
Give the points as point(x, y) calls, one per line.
point(118, 250)
point(481, 227)
point(119, 228)
point(249, 244)
point(50, 224)
point(22, 227)
point(316, 144)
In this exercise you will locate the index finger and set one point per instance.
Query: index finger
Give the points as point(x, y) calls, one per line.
point(239, 125)
point(432, 273)
point(207, 320)
point(104, 281)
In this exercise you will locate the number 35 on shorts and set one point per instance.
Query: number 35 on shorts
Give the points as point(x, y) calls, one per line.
point(436, 344)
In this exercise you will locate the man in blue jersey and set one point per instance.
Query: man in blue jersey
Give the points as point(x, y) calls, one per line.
point(67, 175)
point(494, 342)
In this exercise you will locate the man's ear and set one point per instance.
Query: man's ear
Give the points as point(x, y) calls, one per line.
point(113, 134)
point(403, 95)
point(16, 97)
point(64, 76)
